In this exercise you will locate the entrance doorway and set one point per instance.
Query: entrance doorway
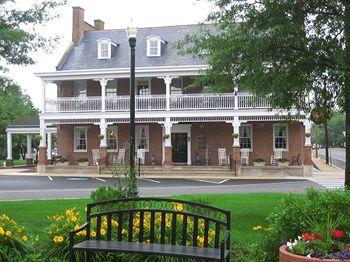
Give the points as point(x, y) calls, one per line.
point(179, 145)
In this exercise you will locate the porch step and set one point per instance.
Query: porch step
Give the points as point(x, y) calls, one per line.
point(71, 170)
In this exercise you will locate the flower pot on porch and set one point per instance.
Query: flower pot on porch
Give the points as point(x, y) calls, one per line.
point(259, 163)
point(286, 256)
point(62, 164)
point(282, 163)
point(83, 163)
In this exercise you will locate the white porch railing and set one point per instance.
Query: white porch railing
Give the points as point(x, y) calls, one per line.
point(156, 103)
point(202, 101)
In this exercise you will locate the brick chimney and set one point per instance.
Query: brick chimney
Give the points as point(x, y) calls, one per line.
point(99, 24)
point(78, 23)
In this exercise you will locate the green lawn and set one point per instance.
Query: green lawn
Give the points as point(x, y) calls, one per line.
point(16, 162)
point(247, 210)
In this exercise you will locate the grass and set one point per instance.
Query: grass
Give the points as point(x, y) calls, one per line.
point(247, 210)
point(16, 162)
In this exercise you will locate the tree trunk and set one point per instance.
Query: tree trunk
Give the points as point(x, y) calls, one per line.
point(347, 92)
point(326, 141)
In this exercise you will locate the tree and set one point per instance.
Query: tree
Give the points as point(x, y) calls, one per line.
point(296, 53)
point(18, 35)
point(13, 103)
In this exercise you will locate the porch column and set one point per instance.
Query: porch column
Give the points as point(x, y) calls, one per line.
point(29, 159)
point(9, 160)
point(103, 144)
point(49, 146)
point(236, 148)
point(103, 83)
point(42, 160)
point(307, 150)
point(43, 94)
point(167, 80)
point(168, 150)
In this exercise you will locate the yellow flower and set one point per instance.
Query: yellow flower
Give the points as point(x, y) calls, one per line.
point(168, 224)
point(124, 231)
point(93, 233)
point(114, 223)
point(212, 232)
point(49, 232)
point(5, 218)
point(73, 218)
point(25, 238)
point(102, 231)
point(69, 212)
point(2, 231)
point(58, 239)
point(8, 233)
point(13, 223)
point(179, 207)
point(20, 230)
point(257, 228)
point(36, 238)
point(268, 228)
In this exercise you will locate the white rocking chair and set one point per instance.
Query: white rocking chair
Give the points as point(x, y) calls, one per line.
point(95, 156)
point(245, 157)
point(141, 156)
point(277, 154)
point(222, 156)
point(121, 156)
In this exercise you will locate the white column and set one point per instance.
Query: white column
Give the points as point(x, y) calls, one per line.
point(49, 146)
point(103, 83)
point(167, 81)
point(236, 124)
point(103, 132)
point(43, 94)
point(235, 92)
point(307, 124)
point(167, 131)
point(9, 145)
point(42, 133)
point(29, 146)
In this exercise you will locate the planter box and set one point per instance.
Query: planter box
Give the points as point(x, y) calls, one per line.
point(286, 256)
point(282, 163)
point(259, 163)
point(62, 164)
point(86, 163)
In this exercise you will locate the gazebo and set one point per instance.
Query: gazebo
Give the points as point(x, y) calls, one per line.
point(27, 125)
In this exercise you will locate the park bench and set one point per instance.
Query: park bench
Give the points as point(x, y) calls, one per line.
point(155, 226)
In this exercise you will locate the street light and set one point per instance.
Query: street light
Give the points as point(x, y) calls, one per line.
point(131, 33)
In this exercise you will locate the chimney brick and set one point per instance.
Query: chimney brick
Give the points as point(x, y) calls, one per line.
point(99, 24)
point(78, 24)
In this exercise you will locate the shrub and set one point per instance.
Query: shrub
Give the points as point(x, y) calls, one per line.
point(282, 160)
point(259, 160)
point(62, 159)
point(12, 240)
point(83, 159)
point(292, 218)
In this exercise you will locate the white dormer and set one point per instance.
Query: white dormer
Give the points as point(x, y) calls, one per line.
point(104, 48)
point(154, 45)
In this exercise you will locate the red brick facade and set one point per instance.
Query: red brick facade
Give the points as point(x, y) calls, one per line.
point(216, 135)
point(42, 158)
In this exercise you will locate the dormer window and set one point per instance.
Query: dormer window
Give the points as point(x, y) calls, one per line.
point(154, 45)
point(104, 48)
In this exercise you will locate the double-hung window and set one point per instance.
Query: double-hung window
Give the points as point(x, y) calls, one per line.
point(176, 86)
point(245, 137)
point(143, 87)
point(80, 139)
point(154, 45)
point(80, 88)
point(111, 88)
point(112, 138)
point(280, 136)
point(142, 137)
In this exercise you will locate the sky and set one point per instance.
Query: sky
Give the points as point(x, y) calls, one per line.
point(115, 14)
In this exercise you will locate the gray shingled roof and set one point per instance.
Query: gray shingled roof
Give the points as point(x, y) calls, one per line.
point(84, 54)
point(25, 122)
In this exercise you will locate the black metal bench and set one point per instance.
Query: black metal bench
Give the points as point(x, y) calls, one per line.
point(157, 226)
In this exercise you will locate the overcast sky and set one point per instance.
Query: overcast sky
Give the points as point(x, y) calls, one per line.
point(115, 14)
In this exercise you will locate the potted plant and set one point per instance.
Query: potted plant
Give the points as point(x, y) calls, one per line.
point(259, 161)
point(325, 242)
point(307, 134)
point(61, 161)
point(166, 136)
point(38, 137)
point(100, 137)
point(282, 162)
point(235, 135)
point(83, 161)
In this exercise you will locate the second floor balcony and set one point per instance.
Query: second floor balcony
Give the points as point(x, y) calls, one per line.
point(183, 102)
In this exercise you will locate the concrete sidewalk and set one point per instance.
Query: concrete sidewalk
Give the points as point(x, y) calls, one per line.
point(327, 171)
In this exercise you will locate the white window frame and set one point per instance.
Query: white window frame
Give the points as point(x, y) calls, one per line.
point(138, 137)
point(251, 136)
point(81, 128)
point(159, 41)
point(100, 43)
point(109, 130)
point(149, 86)
point(111, 94)
point(176, 90)
point(274, 137)
point(80, 88)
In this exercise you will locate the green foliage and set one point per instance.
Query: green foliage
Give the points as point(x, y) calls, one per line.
point(292, 218)
point(83, 159)
point(103, 193)
point(282, 160)
point(62, 159)
point(259, 159)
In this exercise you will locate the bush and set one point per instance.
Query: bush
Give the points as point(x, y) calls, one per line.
point(62, 159)
point(83, 159)
point(282, 160)
point(12, 240)
point(259, 160)
point(291, 218)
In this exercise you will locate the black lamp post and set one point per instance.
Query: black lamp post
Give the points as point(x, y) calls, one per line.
point(131, 34)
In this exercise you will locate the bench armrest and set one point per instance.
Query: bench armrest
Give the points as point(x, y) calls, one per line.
point(225, 245)
point(85, 225)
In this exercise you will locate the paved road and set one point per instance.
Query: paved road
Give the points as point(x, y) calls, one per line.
point(34, 187)
point(337, 156)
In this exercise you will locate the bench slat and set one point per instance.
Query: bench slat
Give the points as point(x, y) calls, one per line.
point(184, 230)
point(206, 232)
point(217, 235)
point(152, 227)
point(162, 227)
point(144, 248)
point(120, 226)
point(173, 229)
point(131, 225)
point(109, 227)
point(98, 228)
point(195, 231)
point(142, 214)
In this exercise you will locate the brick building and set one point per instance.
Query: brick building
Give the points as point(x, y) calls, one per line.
point(176, 125)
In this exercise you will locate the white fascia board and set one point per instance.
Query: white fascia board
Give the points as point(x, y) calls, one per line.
point(122, 72)
point(157, 114)
point(32, 130)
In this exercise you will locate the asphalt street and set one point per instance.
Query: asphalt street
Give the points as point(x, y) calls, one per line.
point(337, 156)
point(47, 187)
